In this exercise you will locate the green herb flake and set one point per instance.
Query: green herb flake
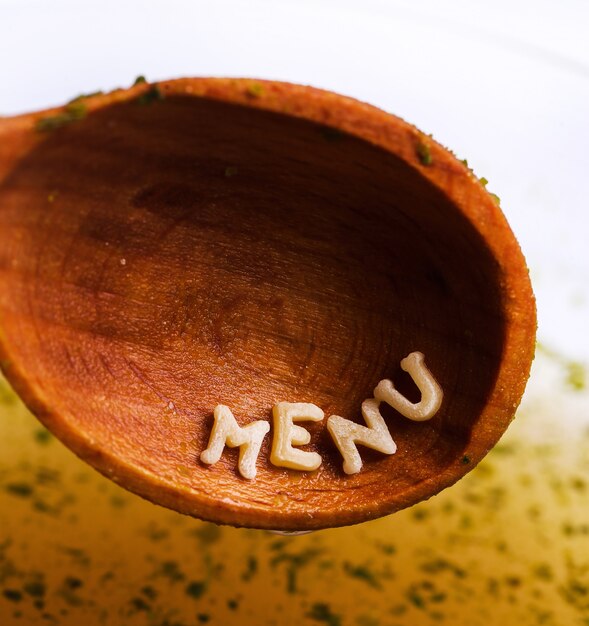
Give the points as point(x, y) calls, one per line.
point(196, 589)
point(419, 514)
point(576, 376)
point(139, 604)
point(251, 569)
point(321, 612)
point(149, 592)
point(76, 110)
point(387, 548)
point(578, 484)
point(504, 449)
point(513, 581)
point(7, 395)
point(255, 90)
point(232, 604)
point(230, 172)
point(278, 545)
point(72, 582)
point(576, 590)
point(501, 547)
point(84, 96)
point(118, 502)
point(35, 588)
point(42, 436)
point(140, 80)
point(46, 124)
point(72, 112)
point(438, 565)
point(203, 618)
point(171, 570)
point(362, 572)
point(294, 562)
point(78, 556)
point(495, 197)
point(544, 572)
point(22, 490)
point(14, 595)
point(484, 182)
point(154, 94)
point(416, 599)
point(208, 534)
point(466, 522)
point(465, 460)
point(423, 153)
point(154, 532)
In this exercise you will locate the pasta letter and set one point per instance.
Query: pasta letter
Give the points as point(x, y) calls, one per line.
point(226, 431)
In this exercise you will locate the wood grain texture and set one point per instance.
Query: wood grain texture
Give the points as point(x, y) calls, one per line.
point(248, 242)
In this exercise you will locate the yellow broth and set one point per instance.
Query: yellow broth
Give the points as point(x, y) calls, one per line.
point(508, 544)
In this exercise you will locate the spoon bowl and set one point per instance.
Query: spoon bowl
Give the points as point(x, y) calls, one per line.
point(171, 247)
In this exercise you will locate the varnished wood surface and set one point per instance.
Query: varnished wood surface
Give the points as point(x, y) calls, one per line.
point(225, 245)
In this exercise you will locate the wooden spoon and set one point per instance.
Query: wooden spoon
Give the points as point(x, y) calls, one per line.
point(171, 247)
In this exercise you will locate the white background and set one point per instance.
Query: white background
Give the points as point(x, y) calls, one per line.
point(504, 84)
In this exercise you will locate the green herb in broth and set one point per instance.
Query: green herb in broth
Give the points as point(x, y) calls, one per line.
point(508, 544)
